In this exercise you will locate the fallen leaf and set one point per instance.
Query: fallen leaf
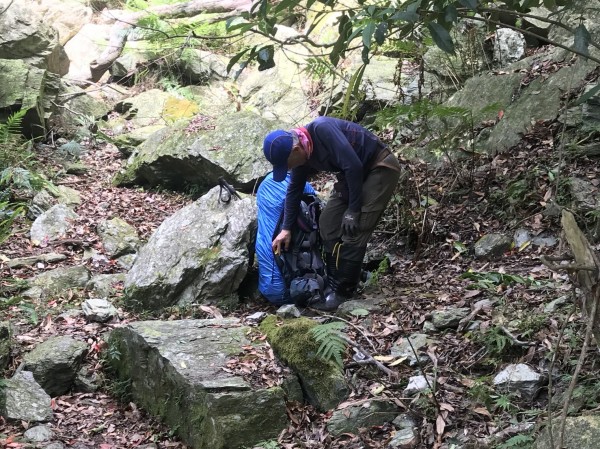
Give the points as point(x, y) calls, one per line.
point(398, 361)
point(440, 425)
point(471, 294)
point(482, 411)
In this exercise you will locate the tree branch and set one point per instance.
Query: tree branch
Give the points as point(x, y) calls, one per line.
point(368, 357)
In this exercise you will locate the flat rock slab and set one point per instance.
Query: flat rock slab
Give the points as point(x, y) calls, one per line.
point(176, 372)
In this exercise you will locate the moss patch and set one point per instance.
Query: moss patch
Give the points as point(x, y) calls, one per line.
point(322, 381)
point(295, 346)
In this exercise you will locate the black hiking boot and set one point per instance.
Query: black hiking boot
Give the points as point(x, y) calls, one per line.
point(342, 286)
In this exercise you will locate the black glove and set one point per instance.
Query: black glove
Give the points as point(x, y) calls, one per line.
point(350, 223)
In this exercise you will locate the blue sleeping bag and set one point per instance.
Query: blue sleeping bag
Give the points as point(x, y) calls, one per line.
point(270, 199)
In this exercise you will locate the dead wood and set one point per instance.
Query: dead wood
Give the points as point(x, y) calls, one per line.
point(125, 21)
point(585, 258)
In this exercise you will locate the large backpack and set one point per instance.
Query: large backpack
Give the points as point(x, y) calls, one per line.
point(301, 265)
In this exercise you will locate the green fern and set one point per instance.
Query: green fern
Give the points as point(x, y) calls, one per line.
point(12, 128)
point(13, 150)
point(331, 340)
point(517, 442)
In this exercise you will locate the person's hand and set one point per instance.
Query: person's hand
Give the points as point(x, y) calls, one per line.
point(350, 223)
point(283, 239)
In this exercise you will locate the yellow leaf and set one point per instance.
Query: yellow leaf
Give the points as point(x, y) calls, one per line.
point(383, 358)
point(398, 361)
point(524, 245)
point(377, 390)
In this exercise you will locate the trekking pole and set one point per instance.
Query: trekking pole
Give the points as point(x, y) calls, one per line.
point(227, 191)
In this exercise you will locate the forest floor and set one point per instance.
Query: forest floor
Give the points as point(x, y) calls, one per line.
point(431, 266)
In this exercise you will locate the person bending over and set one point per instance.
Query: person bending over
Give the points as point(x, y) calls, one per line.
point(367, 174)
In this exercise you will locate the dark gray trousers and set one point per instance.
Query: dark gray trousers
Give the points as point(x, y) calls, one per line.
point(378, 188)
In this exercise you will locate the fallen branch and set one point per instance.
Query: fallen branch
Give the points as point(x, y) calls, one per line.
point(514, 339)
point(571, 267)
point(368, 357)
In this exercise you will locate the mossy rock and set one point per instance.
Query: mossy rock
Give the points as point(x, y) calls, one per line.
point(322, 381)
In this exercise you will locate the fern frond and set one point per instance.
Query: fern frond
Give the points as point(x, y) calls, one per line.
point(518, 441)
point(332, 344)
point(12, 127)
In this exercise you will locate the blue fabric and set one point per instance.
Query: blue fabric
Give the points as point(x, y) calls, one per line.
point(270, 198)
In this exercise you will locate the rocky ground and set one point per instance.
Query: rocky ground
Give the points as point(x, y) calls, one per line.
point(431, 267)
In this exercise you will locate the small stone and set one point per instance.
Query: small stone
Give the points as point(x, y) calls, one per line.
point(99, 310)
point(39, 434)
point(55, 445)
point(256, 317)
point(288, 311)
point(417, 384)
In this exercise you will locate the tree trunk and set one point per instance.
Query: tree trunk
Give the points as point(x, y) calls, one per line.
point(124, 21)
point(585, 258)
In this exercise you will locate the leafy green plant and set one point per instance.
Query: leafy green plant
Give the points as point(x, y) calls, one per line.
point(503, 402)
point(331, 340)
point(11, 141)
point(491, 280)
point(382, 269)
point(113, 353)
point(353, 96)
point(120, 389)
point(30, 311)
point(367, 26)
point(494, 340)
point(521, 441)
point(9, 212)
point(481, 391)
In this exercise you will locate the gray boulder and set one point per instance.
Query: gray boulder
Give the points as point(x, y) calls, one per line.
point(417, 384)
point(57, 281)
point(509, 46)
point(412, 349)
point(176, 369)
point(520, 379)
point(176, 158)
point(98, 310)
point(6, 334)
point(368, 414)
point(118, 237)
point(39, 434)
point(199, 254)
point(22, 398)
point(55, 362)
point(31, 62)
point(200, 67)
point(52, 224)
point(541, 99)
point(24, 35)
point(492, 246)
point(581, 432)
point(103, 285)
point(448, 318)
